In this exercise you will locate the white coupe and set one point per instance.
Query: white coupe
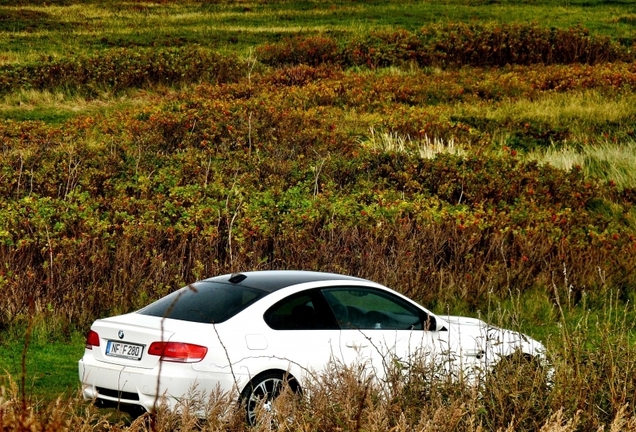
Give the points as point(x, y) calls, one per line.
point(247, 332)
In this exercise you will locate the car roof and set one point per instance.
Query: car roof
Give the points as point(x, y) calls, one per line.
point(273, 280)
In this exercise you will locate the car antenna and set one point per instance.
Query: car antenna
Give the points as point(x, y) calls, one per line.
point(237, 277)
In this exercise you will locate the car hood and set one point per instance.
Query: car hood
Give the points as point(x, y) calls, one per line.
point(480, 339)
point(463, 321)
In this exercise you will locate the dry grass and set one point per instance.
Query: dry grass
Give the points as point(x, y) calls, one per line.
point(589, 386)
point(425, 147)
point(615, 162)
point(341, 399)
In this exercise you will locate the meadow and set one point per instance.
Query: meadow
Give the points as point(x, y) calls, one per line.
point(477, 156)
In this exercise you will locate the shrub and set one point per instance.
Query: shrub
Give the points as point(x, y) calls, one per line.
point(312, 50)
point(120, 69)
point(453, 45)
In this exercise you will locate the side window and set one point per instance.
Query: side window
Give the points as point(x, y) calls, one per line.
point(368, 308)
point(300, 311)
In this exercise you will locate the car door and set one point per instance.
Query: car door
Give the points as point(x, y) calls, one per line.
point(304, 335)
point(382, 330)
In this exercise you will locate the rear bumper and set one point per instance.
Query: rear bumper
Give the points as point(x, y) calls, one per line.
point(178, 385)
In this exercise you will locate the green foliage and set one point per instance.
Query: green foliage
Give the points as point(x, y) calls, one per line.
point(25, 20)
point(241, 176)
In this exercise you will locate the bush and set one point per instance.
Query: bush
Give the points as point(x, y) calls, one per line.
point(453, 45)
point(120, 69)
point(312, 50)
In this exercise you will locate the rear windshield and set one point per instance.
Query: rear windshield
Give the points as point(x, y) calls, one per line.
point(204, 302)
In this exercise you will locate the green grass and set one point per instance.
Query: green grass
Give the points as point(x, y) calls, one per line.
point(51, 363)
point(45, 29)
point(57, 107)
point(586, 114)
point(609, 162)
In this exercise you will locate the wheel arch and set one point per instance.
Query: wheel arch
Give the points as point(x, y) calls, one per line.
point(288, 376)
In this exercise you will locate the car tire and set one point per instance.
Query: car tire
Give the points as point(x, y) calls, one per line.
point(262, 390)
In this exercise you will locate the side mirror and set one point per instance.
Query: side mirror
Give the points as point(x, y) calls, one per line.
point(429, 323)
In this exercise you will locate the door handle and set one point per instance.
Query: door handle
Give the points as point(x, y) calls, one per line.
point(357, 344)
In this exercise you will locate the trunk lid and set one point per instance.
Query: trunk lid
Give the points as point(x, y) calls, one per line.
point(125, 339)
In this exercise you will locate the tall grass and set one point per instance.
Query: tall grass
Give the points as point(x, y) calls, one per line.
point(423, 147)
point(590, 385)
point(609, 162)
point(56, 107)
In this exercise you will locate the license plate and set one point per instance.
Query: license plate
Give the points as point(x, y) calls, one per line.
point(124, 350)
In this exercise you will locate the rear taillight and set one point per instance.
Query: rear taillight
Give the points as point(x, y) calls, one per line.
point(178, 351)
point(92, 339)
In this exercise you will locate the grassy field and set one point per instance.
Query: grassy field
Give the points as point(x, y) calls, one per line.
point(477, 156)
point(58, 28)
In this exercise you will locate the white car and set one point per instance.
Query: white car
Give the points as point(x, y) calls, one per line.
point(247, 332)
